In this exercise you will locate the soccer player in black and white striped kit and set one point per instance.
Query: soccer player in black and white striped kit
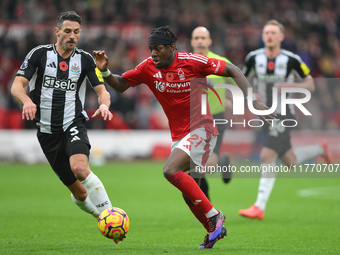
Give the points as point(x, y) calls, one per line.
point(272, 67)
point(56, 75)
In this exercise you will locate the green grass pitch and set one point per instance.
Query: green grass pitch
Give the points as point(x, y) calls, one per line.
point(39, 217)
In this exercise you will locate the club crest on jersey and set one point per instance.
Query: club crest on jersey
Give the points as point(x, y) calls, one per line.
point(63, 66)
point(281, 66)
point(181, 74)
point(169, 76)
point(75, 69)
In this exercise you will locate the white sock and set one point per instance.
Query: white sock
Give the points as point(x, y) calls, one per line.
point(307, 152)
point(86, 206)
point(266, 185)
point(96, 192)
point(211, 213)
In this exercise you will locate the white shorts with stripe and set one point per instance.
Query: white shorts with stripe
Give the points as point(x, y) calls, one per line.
point(198, 144)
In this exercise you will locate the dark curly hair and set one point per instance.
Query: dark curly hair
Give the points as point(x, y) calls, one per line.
point(165, 30)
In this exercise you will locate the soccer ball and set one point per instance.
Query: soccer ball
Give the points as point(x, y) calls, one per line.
point(114, 223)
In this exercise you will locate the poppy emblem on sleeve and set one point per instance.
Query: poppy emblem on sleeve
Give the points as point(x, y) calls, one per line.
point(63, 66)
point(169, 76)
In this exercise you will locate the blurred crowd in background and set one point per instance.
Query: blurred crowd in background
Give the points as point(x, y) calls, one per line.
point(122, 28)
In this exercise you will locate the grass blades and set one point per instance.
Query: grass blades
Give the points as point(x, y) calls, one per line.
point(39, 217)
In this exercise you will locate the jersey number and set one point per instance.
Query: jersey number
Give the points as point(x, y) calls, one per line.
point(276, 128)
point(73, 132)
point(195, 139)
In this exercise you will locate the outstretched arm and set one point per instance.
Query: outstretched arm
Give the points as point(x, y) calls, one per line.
point(117, 82)
point(307, 83)
point(104, 103)
point(18, 92)
point(234, 72)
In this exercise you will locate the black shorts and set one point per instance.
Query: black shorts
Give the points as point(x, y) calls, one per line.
point(278, 137)
point(220, 129)
point(58, 148)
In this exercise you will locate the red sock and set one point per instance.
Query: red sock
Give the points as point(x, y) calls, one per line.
point(191, 190)
point(198, 214)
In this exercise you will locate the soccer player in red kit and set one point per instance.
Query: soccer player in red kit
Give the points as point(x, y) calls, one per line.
point(169, 74)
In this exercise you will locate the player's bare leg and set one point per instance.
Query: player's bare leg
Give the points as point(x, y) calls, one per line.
point(94, 187)
point(80, 198)
point(289, 158)
point(304, 153)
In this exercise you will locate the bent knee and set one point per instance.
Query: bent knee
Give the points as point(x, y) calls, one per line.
point(80, 170)
point(168, 171)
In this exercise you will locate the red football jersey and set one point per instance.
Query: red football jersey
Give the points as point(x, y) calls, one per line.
point(172, 87)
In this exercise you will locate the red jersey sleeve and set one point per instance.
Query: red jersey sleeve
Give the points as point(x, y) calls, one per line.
point(207, 66)
point(135, 76)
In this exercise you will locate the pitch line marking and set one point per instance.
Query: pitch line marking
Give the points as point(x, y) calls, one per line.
point(328, 193)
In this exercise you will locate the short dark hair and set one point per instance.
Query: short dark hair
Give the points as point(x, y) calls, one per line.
point(69, 15)
point(165, 30)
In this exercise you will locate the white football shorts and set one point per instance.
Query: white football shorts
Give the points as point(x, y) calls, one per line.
point(198, 144)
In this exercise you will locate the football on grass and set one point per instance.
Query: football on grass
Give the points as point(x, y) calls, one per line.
point(114, 223)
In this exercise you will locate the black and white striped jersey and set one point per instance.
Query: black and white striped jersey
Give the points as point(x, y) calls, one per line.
point(58, 86)
point(268, 73)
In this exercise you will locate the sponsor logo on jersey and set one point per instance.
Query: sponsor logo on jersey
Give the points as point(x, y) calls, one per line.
point(75, 69)
point(270, 78)
point(53, 65)
point(24, 64)
point(63, 66)
point(65, 85)
point(162, 86)
point(158, 75)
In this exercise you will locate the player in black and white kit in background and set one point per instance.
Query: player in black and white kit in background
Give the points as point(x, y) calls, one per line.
point(272, 67)
point(56, 75)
